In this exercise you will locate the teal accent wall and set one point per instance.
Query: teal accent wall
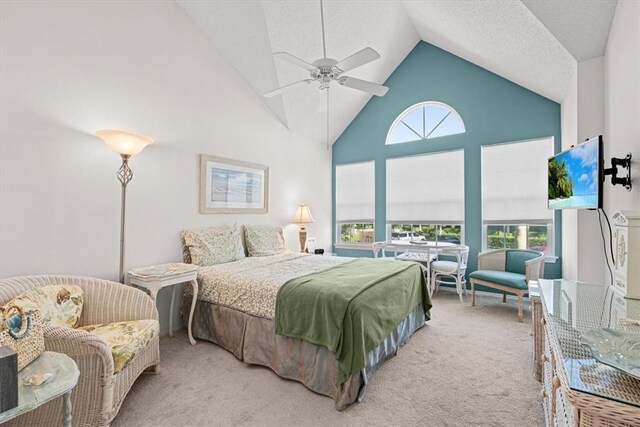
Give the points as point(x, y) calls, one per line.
point(494, 110)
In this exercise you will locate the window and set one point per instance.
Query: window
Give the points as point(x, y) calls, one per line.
point(406, 233)
point(425, 197)
point(425, 120)
point(355, 203)
point(514, 196)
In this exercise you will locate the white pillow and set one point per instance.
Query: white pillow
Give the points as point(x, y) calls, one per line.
point(263, 240)
point(214, 245)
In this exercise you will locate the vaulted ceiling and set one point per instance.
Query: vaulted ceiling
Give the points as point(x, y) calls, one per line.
point(534, 43)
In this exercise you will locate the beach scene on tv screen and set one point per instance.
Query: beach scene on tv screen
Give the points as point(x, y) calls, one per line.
point(573, 177)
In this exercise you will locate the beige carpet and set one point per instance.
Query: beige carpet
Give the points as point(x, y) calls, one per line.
point(469, 366)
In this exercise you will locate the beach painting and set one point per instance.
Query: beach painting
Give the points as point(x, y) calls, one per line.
point(574, 177)
point(232, 186)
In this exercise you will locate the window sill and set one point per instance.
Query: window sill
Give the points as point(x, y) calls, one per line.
point(354, 246)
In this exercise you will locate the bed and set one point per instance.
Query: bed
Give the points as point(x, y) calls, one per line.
point(246, 304)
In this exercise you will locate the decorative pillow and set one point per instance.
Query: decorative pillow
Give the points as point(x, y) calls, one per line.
point(214, 245)
point(263, 240)
point(59, 304)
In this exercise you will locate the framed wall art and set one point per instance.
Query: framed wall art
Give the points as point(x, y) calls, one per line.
point(232, 186)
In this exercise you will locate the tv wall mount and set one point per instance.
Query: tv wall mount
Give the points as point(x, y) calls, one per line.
point(616, 177)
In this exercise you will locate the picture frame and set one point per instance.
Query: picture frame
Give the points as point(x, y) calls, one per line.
point(233, 186)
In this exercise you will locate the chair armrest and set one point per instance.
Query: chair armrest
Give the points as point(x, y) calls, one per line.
point(80, 345)
point(534, 268)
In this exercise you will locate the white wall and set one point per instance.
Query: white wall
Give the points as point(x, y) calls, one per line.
point(604, 98)
point(569, 128)
point(70, 68)
point(622, 101)
point(590, 123)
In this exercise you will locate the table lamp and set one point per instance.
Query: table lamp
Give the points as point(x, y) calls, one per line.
point(127, 144)
point(302, 217)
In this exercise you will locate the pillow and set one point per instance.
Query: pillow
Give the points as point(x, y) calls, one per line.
point(263, 240)
point(214, 245)
point(60, 305)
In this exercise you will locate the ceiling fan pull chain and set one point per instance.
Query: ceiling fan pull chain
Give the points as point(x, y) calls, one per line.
point(327, 119)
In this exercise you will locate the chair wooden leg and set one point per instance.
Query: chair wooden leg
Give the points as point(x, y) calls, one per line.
point(459, 289)
point(520, 295)
point(473, 293)
point(504, 297)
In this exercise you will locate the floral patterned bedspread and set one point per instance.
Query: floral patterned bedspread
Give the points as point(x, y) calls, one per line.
point(251, 284)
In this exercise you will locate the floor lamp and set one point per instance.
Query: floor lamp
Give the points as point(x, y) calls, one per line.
point(127, 144)
point(302, 217)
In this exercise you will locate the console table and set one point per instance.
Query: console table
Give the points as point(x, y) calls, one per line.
point(577, 389)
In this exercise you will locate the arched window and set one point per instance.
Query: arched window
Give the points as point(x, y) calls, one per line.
point(425, 120)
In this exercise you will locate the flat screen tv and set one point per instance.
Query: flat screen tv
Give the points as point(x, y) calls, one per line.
point(576, 176)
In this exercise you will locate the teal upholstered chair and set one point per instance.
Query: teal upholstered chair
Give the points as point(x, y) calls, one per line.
point(508, 270)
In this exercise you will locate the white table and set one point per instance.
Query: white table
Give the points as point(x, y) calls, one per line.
point(61, 384)
point(154, 283)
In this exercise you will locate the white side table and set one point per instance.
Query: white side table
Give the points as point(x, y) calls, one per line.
point(157, 277)
point(30, 397)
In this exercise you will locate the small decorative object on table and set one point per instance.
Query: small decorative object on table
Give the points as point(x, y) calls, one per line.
point(22, 332)
point(156, 277)
point(618, 349)
point(8, 378)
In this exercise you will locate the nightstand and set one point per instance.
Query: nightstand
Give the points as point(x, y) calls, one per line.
point(156, 277)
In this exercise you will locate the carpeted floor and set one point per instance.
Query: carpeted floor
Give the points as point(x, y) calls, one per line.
point(466, 367)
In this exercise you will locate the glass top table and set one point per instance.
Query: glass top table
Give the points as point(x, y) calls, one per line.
point(574, 308)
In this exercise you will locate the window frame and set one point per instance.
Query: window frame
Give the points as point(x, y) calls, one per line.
point(549, 253)
point(413, 107)
point(342, 244)
point(338, 242)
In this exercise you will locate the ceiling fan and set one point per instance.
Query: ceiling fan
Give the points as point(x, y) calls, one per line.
point(326, 70)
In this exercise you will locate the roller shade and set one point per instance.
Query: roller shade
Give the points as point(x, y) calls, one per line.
point(514, 182)
point(355, 192)
point(426, 189)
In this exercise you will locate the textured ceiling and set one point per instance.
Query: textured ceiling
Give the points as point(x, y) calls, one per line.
point(502, 36)
point(532, 45)
point(582, 27)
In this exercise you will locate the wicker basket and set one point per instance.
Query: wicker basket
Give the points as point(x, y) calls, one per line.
point(28, 342)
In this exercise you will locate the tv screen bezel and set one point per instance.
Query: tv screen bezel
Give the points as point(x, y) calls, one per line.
point(600, 174)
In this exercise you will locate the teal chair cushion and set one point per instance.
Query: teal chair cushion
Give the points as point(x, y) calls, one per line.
point(505, 278)
point(515, 260)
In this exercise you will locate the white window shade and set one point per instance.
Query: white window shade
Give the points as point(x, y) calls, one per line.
point(355, 192)
point(514, 182)
point(426, 188)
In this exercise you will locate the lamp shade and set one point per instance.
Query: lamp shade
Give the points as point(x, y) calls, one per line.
point(303, 215)
point(124, 142)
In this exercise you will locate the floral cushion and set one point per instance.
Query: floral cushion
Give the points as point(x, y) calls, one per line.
point(126, 339)
point(263, 240)
point(59, 304)
point(214, 245)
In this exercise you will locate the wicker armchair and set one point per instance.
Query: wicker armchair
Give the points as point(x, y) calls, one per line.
point(99, 393)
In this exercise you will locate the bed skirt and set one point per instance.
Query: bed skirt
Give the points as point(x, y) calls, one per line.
point(253, 340)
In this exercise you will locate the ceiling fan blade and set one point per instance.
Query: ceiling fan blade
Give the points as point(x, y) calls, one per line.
point(362, 57)
point(324, 95)
point(286, 88)
point(363, 85)
point(295, 61)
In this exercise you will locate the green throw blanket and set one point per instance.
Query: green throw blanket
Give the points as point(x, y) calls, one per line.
point(351, 308)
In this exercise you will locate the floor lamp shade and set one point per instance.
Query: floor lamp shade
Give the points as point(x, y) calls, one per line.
point(303, 216)
point(127, 144)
